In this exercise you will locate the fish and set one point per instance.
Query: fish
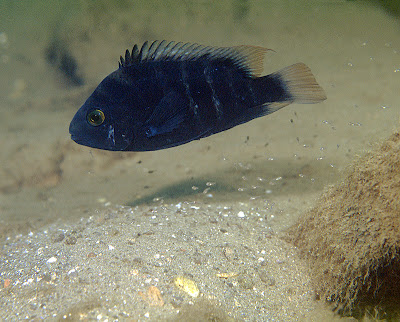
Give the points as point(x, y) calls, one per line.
point(166, 94)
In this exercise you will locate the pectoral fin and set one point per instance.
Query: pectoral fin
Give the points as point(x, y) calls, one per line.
point(167, 116)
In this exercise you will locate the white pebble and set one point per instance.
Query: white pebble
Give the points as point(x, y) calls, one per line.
point(29, 281)
point(240, 214)
point(71, 271)
point(52, 260)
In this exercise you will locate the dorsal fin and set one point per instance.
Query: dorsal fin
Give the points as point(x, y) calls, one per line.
point(248, 58)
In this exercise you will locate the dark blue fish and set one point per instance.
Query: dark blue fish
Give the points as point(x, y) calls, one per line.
point(167, 94)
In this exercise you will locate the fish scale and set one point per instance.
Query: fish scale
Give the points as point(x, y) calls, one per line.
point(193, 104)
point(214, 97)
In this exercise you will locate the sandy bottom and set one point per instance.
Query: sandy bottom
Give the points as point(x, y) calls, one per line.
point(107, 265)
point(191, 232)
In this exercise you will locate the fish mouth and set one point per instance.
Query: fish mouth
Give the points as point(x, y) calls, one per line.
point(76, 139)
point(73, 129)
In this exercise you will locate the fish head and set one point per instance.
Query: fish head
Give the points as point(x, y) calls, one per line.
point(104, 121)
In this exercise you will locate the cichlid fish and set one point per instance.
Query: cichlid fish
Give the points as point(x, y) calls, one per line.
point(167, 94)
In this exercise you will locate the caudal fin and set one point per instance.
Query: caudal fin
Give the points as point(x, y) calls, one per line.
point(301, 84)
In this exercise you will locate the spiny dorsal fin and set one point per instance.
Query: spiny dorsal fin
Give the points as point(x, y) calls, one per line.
point(248, 58)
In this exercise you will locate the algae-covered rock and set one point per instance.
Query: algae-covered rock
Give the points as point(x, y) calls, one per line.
point(352, 237)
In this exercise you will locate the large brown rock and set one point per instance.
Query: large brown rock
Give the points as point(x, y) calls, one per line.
point(352, 237)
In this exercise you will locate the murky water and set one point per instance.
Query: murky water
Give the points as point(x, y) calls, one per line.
point(53, 54)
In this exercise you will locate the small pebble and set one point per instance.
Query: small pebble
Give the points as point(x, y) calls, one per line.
point(227, 275)
point(71, 271)
point(187, 285)
point(246, 282)
point(57, 237)
point(228, 253)
point(52, 260)
point(29, 281)
point(71, 240)
point(7, 283)
point(266, 277)
point(153, 296)
point(240, 214)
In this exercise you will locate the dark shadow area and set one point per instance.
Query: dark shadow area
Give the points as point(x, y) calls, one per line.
point(60, 57)
point(260, 179)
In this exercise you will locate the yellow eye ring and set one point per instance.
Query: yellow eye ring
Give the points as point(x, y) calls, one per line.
point(95, 117)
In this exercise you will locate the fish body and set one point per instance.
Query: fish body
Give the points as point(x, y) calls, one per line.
point(168, 94)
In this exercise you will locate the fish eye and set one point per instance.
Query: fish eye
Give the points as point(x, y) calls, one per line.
point(95, 117)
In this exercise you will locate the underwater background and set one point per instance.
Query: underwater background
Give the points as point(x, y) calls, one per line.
point(88, 233)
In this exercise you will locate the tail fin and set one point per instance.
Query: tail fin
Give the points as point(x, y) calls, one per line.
point(301, 84)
